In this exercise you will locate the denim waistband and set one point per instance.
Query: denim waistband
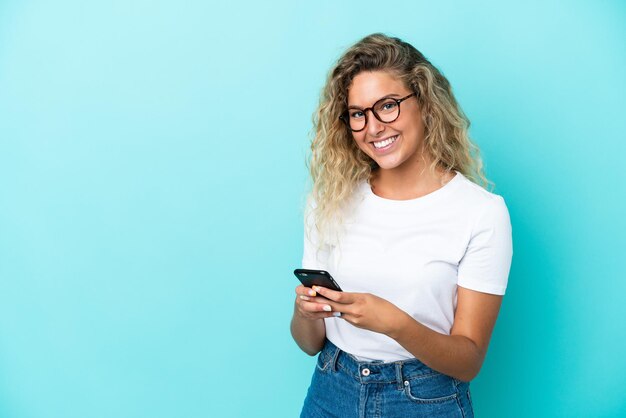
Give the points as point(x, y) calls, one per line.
point(373, 371)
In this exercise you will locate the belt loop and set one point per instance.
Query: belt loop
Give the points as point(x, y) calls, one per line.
point(399, 378)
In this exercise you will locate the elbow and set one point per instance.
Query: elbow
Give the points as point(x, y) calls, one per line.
point(474, 363)
point(467, 375)
point(470, 372)
point(309, 349)
point(311, 352)
point(469, 369)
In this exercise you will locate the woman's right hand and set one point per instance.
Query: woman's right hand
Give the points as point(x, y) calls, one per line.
point(311, 306)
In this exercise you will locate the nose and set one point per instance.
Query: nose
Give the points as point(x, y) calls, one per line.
point(374, 126)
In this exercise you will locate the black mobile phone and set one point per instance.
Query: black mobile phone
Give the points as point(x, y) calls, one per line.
point(321, 278)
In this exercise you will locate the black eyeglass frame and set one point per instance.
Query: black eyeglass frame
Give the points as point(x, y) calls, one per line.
point(346, 118)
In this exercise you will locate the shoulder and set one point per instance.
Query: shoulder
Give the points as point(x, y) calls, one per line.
point(487, 259)
point(488, 221)
point(477, 200)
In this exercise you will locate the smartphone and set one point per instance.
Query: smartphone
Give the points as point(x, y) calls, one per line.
point(321, 278)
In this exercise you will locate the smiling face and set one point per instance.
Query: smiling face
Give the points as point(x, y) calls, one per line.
point(394, 145)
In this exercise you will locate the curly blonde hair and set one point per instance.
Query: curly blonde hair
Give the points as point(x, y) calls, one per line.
point(336, 163)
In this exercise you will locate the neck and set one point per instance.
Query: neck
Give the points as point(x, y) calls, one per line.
point(409, 181)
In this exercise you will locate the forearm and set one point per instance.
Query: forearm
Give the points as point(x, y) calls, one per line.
point(308, 334)
point(453, 355)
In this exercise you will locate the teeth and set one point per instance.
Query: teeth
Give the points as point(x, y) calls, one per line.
point(386, 142)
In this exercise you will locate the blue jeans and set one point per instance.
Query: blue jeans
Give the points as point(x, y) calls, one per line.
point(344, 387)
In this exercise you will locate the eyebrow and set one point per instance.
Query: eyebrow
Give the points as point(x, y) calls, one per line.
point(387, 96)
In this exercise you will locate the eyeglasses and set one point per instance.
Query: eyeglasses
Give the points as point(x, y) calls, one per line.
point(385, 110)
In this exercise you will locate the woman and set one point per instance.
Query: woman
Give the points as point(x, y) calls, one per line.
point(398, 216)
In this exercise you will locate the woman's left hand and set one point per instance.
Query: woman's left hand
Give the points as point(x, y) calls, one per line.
point(364, 310)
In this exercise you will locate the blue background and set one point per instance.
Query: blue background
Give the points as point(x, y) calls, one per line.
point(152, 176)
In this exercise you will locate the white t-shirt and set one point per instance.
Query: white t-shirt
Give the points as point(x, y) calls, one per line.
point(414, 253)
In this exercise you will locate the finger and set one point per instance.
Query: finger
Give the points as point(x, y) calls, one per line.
point(317, 299)
point(313, 311)
point(327, 305)
point(306, 291)
point(324, 314)
point(341, 297)
point(318, 315)
point(315, 307)
point(315, 314)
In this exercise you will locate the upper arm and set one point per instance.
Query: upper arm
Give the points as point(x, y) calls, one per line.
point(487, 260)
point(475, 317)
point(483, 275)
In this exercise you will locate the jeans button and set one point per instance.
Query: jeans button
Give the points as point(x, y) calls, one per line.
point(365, 372)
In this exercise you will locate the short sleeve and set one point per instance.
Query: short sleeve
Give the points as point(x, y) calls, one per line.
point(314, 257)
point(487, 261)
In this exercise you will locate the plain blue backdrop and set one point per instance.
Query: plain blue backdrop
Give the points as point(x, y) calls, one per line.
point(152, 174)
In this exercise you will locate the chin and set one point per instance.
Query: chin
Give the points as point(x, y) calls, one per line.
point(387, 164)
